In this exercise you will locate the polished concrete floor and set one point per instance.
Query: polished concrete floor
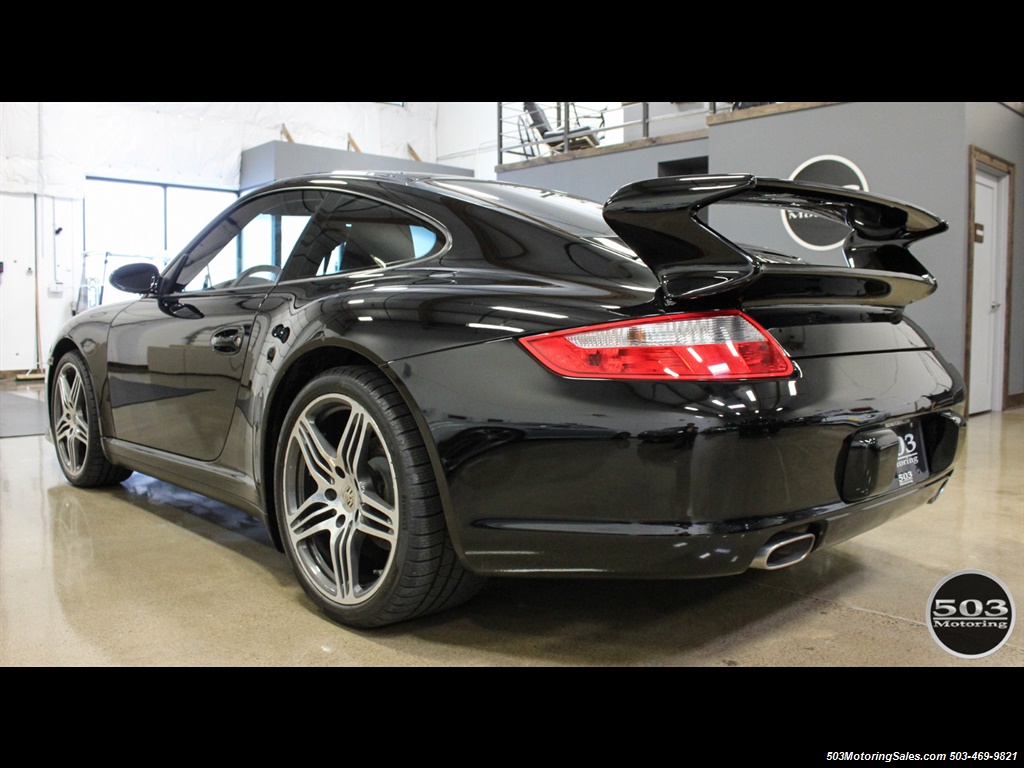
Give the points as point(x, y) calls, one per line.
point(147, 574)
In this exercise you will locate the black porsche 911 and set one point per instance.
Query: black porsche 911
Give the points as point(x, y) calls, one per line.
point(418, 382)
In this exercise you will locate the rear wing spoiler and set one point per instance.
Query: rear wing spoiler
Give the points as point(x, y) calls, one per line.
point(658, 219)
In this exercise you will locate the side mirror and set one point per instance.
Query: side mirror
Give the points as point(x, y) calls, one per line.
point(135, 278)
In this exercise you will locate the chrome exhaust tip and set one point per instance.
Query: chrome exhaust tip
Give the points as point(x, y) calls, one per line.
point(783, 550)
point(938, 493)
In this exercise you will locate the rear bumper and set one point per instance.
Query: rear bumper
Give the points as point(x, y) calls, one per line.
point(660, 550)
point(545, 475)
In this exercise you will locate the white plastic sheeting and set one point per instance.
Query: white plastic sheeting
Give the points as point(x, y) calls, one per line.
point(48, 148)
point(19, 146)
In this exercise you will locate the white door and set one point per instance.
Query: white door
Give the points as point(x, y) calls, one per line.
point(988, 315)
point(18, 283)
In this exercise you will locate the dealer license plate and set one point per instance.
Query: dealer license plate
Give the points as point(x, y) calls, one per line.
point(911, 463)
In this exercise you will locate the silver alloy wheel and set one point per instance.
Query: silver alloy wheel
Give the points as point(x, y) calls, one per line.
point(341, 506)
point(71, 422)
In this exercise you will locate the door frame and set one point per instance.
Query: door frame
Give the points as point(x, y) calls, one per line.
point(998, 167)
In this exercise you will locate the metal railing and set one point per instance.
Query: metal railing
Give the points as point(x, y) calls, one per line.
point(529, 130)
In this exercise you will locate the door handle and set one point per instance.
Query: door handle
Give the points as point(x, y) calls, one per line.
point(228, 341)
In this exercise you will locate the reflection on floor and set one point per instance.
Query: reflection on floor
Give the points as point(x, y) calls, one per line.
point(148, 574)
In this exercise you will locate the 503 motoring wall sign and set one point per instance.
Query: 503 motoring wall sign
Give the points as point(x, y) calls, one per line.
point(813, 231)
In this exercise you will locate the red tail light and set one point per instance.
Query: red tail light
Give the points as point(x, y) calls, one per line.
point(720, 346)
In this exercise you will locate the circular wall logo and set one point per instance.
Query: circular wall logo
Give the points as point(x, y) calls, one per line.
point(970, 614)
point(812, 231)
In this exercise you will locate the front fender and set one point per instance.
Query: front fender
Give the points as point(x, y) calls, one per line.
point(87, 333)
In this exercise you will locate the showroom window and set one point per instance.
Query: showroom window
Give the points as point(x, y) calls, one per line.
point(150, 220)
point(127, 221)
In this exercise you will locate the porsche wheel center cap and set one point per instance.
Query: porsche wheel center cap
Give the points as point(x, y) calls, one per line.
point(349, 497)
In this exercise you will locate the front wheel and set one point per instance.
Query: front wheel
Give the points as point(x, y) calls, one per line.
point(358, 507)
point(74, 417)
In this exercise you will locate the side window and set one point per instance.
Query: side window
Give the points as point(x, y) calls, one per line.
point(249, 245)
point(350, 233)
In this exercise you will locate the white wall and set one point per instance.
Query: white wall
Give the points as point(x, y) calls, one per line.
point(467, 136)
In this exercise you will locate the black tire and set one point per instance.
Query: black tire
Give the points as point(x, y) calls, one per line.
point(358, 506)
point(74, 418)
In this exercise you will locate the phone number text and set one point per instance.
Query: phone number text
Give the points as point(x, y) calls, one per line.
point(888, 757)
